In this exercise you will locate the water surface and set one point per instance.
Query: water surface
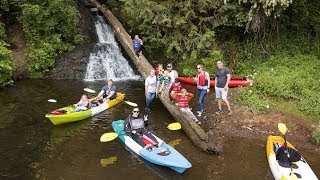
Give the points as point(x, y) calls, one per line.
point(31, 147)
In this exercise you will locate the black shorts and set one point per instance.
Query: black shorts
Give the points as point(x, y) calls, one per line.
point(112, 97)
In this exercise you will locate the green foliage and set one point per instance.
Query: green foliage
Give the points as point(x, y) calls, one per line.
point(188, 66)
point(316, 136)
point(4, 5)
point(51, 29)
point(6, 65)
point(252, 99)
point(290, 78)
point(186, 30)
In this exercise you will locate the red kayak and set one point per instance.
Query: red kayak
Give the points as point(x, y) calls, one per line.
point(234, 82)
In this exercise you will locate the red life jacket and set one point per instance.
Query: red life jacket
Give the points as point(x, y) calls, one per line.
point(202, 79)
point(183, 101)
point(176, 87)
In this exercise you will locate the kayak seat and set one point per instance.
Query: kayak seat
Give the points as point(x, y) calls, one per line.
point(164, 153)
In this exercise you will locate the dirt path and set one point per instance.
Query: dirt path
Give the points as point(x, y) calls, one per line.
point(248, 124)
point(17, 42)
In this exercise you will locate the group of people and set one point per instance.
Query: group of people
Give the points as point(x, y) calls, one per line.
point(107, 93)
point(136, 124)
point(160, 78)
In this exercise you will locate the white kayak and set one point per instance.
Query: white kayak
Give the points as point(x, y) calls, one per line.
point(301, 168)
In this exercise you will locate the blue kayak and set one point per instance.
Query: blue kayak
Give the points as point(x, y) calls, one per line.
point(164, 155)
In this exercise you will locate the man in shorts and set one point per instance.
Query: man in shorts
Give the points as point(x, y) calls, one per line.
point(222, 80)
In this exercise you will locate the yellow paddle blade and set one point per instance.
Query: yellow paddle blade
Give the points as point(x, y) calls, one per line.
point(131, 103)
point(109, 160)
point(89, 90)
point(293, 176)
point(174, 126)
point(108, 137)
point(282, 128)
point(174, 142)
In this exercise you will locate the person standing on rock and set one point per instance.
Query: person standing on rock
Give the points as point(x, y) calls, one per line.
point(150, 89)
point(172, 73)
point(137, 45)
point(222, 80)
point(203, 86)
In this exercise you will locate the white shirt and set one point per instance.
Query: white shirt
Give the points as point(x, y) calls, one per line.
point(151, 83)
point(172, 76)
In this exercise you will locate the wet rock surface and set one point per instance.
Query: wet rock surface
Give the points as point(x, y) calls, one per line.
point(72, 65)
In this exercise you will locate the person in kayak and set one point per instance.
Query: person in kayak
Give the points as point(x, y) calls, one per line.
point(150, 89)
point(82, 105)
point(203, 86)
point(222, 80)
point(137, 45)
point(175, 89)
point(136, 125)
point(173, 73)
point(108, 92)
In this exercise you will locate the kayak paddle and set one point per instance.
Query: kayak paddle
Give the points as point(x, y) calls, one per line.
point(93, 91)
point(89, 90)
point(109, 160)
point(174, 126)
point(131, 103)
point(283, 129)
point(106, 137)
point(52, 100)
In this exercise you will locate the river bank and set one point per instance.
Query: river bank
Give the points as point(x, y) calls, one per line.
point(245, 123)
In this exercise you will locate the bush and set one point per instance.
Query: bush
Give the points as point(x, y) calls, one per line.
point(51, 29)
point(286, 77)
point(6, 65)
point(252, 99)
point(316, 137)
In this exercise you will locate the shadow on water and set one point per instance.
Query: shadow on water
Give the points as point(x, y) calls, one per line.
point(31, 147)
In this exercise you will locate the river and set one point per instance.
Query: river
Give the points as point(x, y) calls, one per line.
point(31, 147)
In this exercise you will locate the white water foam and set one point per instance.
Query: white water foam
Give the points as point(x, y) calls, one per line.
point(107, 62)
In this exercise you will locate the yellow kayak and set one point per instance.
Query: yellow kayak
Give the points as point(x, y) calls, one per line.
point(77, 116)
point(279, 172)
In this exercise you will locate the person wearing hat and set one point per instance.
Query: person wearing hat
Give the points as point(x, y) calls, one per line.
point(172, 73)
point(108, 92)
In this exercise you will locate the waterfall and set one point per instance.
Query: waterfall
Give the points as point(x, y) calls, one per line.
point(106, 61)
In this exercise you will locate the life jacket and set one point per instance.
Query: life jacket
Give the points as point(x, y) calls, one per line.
point(136, 44)
point(202, 79)
point(58, 112)
point(183, 101)
point(136, 123)
point(83, 102)
point(176, 87)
